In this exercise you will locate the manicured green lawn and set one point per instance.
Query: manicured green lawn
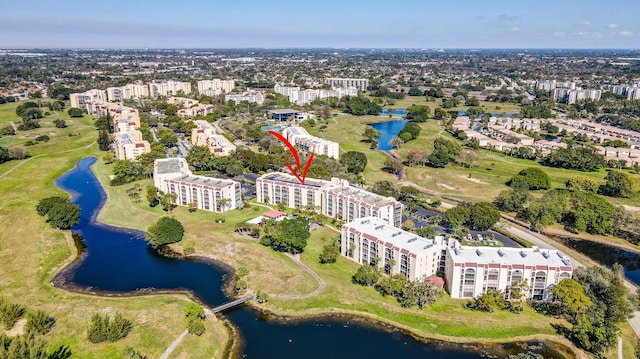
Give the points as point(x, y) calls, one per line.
point(31, 253)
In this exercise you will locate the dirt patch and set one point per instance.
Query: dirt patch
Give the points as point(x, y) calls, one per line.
point(631, 208)
point(474, 180)
point(18, 328)
point(449, 187)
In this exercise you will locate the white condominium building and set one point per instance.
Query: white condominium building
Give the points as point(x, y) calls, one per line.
point(172, 175)
point(78, 100)
point(335, 198)
point(360, 84)
point(472, 271)
point(205, 135)
point(169, 88)
point(285, 90)
point(225, 86)
point(254, 96)
point(129, 145)
point(371, 240)
point(577, 95)
point(299, 137)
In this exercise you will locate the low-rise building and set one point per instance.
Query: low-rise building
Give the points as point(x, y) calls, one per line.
point(472, 271)
point(370, 240)
point(298, 136)
point(129, 145)
point(205, 135)
point(172, 175)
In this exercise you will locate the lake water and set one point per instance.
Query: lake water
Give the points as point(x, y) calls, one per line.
point(396, 112)
point(608, 255)
point(388, 130)
point(117, 261)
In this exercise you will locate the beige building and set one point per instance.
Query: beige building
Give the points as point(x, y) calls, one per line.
point(205, 135)
point(370, 240)
point(360, 84)
point(172, 175)
point(78, 100)
point(225, 86)
point(129, 145)
point(472, 271)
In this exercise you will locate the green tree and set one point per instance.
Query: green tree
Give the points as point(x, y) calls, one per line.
point(532, 178)
point(371, 134)
point(59, 123)
point(165, 231)
point(441, 114)
point(104, 140)
point(355, 161)
point(419, 113)
point(60, 212)
point(329, 253)
point(512, 200)
point(367, 275)
point(581, 184)
point(619, 184)
point(152, 196)
point(193, 310)
point(75, 112)
point(438, 159)
point(571, 294)
point(4, 155)
point(168, 201)
point(167, 137)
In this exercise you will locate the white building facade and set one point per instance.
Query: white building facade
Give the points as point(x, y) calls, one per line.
point(472, 271)
point(172, 175)
point(298, 136)
point(372, 241)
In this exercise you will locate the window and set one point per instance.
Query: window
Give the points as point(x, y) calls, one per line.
point(351, 212)
point(364, 252)
point(363, 212)
point(352, 245)
point(297, 197)
point(405, 266)
point(217, 201)
point(172, 188)
point(205, 199)
point(564, 275)
point(311, 200)
point(539, 284)
point(183, 195)
point(468, 282)
point(373, 253)
point(388, 257)
point(491, 281)
point(194, 195)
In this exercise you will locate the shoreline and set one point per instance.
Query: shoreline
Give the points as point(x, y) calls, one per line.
point(234, 344)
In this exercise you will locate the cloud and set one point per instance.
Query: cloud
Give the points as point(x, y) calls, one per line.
point(613, 26)
point(559, 34)
point(585, 23)
point(625, 33)
point(514, 29)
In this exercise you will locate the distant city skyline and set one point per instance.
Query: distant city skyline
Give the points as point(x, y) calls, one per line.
point(328, 24)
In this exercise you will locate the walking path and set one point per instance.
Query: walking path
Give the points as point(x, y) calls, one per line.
point(173, 345)
point(321, 285)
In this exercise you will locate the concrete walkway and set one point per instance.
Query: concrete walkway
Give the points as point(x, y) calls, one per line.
point(296, 258)
point(173, 345)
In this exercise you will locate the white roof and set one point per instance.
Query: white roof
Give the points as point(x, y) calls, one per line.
point(383, 231)
point(509, 256)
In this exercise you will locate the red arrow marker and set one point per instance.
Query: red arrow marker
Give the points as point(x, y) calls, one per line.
point(296, 157)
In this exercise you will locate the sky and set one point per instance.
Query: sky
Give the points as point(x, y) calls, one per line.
point(321, 23)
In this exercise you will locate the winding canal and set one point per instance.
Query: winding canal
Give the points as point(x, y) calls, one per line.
point(117, 261)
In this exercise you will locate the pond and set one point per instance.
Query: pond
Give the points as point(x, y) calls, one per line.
point(117, 261)
point(388, 130)
point(608, 255)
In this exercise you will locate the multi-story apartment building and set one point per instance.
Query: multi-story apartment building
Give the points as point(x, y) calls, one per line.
point(298, 136)
point(472, 271)
point(172, 175)
point(129, 145)
point(255, 96)
point(360, 84)
point(78, 100)
point(205, 135)
point(370, 240)
point(335, 198)
point(577, 95)
point(285, 90)
point(169, 88)
point(225, 86)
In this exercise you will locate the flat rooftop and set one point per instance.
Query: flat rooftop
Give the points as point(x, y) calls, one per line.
point(284, 111)
point(509, 256)
point(205, 181)
point(283, 177)
point(385, 232)
point(362, 195)
point(169, 165)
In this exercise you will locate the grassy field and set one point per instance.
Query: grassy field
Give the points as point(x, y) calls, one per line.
point(31, 253)
point(491, 107)
point(483, 182)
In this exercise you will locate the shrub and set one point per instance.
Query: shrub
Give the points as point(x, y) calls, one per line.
point(329, 253)
point(39, 322)
point(166, 230)
point(102, 328)
point(7, 131)
point(367, 275)
point(10, 313)
point(195, 326)
point(532, 178)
